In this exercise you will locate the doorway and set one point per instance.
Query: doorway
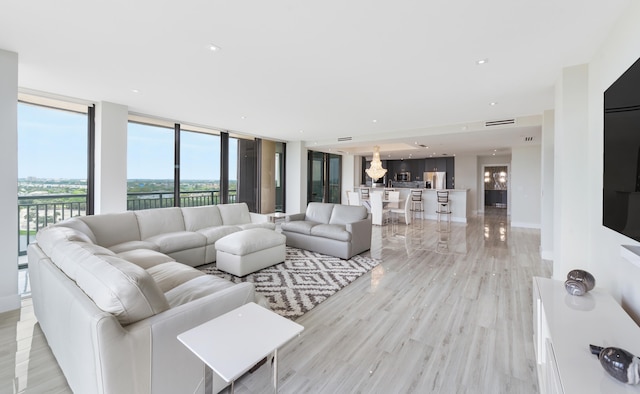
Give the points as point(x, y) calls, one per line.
point(496, 187)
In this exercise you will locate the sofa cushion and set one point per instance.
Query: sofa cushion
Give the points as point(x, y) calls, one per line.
point(234, 214)
point(319, 212)
point(298, 226)
point(176, 241)
point(113, 228)
point(196, 288)
point(159, 221)
point(145, 258)
point(48, 237)
point(120, 288)
point(343, 214)
point(331, 231)
point(197, 218)
point(172, 274)
point(133, 245)
point(249, 241)
point(215, 233)
point(77, 224)
point(68, 255)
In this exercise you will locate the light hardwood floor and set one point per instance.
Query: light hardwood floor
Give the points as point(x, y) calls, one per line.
point(442, 313)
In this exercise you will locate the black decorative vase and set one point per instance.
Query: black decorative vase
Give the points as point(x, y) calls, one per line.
point(618, 363)
point(579, 282)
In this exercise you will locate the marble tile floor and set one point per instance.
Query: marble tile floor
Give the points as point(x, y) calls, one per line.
point(445, 312)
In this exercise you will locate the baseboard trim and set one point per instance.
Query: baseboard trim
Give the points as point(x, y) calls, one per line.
point(525, 225)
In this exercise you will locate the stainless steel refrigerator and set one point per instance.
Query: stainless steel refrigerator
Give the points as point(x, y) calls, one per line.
point(435, 180)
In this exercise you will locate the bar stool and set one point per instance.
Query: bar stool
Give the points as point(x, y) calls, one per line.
point(364, 193)
point(443, 209)
point(416, 203)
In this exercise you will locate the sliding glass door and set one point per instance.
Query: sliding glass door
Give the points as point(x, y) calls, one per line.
point(324, 174)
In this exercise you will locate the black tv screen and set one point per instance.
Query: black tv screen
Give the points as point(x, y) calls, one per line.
point(621, 183)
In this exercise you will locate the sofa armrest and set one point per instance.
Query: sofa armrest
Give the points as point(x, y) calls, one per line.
point(295, 216)
point(360, 234)
point(168, 353)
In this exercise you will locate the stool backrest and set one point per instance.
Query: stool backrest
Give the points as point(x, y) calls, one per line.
point(443, 197)
point(416, 195)
point(364, 193)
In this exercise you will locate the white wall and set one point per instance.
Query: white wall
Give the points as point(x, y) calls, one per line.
point(111, 158)
point(601, 245)
point(348, 175)
point(466, 177)
point(296, 168)
point(546, 204)
point(525, 187)
point(9, 298)
point(571, 162)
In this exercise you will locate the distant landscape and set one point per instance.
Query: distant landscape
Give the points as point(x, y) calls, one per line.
point(34, 187)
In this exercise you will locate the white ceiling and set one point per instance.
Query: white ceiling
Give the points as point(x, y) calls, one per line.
point(314, 71)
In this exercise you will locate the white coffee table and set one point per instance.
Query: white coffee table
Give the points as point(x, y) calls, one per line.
point(234, 342)
point(274, 217)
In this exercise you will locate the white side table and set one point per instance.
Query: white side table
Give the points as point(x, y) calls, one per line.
point(234, 342)
point(277, 216)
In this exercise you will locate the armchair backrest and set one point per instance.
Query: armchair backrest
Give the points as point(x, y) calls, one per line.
point(343, 214)
point(319, 212)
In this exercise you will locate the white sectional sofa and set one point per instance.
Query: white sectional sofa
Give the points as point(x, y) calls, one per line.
point(111, 298)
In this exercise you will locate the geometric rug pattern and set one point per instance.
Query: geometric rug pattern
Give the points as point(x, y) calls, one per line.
point(302, 281)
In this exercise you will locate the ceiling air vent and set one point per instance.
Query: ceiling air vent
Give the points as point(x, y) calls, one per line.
point(344, 139)
point(528, 139)
point(502, 122)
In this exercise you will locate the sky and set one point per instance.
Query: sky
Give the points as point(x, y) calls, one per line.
point(53, 144)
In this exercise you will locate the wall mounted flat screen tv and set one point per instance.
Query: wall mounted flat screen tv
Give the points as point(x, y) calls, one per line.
point(621, 183)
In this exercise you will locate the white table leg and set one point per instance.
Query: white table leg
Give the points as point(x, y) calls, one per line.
point(208, 379)
point(275, 371)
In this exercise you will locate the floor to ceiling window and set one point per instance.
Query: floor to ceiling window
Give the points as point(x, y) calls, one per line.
point(52, 165)
point(280, 176)
point(150, 165)
point(243, 171)
point(199, 168)
point(324, 177)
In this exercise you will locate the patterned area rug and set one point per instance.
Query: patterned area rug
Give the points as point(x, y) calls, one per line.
point(303, 281)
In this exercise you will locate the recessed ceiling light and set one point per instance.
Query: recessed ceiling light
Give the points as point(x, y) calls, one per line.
point(482, 61)
point(493, 103)
point(301, 131)
point(375, 121)
point(243, 117)
point(135, 90)
point(214, 48)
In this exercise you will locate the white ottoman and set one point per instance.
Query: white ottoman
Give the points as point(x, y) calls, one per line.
point(250, 250)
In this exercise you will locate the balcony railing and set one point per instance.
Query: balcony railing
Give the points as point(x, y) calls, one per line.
point(37, 212)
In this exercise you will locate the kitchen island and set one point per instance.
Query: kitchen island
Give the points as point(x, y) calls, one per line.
point(457, 201)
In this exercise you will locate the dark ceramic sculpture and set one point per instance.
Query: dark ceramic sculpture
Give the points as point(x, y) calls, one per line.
point(619, 363)
point(579, 282)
